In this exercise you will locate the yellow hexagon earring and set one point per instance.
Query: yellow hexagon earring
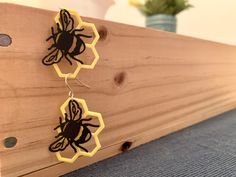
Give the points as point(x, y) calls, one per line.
point(74, 130)
point(78, 127)
point(68, 43)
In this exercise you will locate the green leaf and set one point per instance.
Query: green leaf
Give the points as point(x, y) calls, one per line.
point(170, 7)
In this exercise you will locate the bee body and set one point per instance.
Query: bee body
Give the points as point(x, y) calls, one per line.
point(64, 41)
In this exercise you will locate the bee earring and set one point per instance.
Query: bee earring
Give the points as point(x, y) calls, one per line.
point(78, 128)
point(70, 43)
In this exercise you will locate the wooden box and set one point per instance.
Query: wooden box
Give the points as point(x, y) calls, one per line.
point(147, 84)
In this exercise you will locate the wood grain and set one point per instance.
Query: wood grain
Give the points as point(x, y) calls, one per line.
point(146, 84)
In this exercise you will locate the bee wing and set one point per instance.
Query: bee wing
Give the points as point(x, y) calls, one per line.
point(59, 145)
point(66, 20)
point(74, 109)
point(53, 57)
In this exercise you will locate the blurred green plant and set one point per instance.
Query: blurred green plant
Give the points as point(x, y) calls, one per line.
point(169, 7)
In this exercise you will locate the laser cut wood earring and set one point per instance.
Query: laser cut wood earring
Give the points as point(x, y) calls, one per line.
point(68, 43)
point(78, 126)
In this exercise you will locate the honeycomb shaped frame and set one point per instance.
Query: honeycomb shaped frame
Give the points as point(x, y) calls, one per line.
point(81, 23)
point(94, 135)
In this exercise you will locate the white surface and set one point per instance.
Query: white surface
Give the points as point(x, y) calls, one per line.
point(209, 19)
point(90, 8)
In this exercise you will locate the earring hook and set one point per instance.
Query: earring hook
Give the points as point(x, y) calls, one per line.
point(82, 83)
point(71, 93)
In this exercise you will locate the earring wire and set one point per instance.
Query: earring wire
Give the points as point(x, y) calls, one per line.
point(71, 93)
point(82, 83)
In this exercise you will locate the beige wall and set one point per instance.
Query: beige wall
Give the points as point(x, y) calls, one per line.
point(209, 19)
point(92, 8)
point(34, 3)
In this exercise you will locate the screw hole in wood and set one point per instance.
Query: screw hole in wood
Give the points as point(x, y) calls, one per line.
point(10, 142)
point(126, 146)
point(5, 40)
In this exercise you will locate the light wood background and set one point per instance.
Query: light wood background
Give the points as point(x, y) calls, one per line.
point(146, 84)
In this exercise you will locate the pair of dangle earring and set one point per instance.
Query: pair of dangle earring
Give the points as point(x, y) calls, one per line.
point(78, 128)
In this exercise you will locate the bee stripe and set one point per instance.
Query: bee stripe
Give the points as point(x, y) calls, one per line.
point(73, 46)
point(79, 134)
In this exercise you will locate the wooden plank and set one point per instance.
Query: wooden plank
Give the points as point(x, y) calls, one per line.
point(146, 84)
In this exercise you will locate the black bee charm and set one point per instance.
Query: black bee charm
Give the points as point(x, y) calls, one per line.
point(68, 41)
point(74, 130)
